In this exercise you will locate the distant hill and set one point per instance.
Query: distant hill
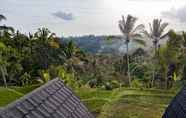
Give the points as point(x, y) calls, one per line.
point(100, 44)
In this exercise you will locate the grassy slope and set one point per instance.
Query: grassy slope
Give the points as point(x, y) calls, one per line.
point(137, 104)
point(126, 103)
point(8, 95)
point(119, 103)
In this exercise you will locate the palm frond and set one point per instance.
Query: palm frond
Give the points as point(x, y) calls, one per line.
point(156, 24)
point(129, 25)
point(156, 30)
point(128, 29)
point(51, 36)
point(122, 27)
point(146, 34)
point(164, 36)
point(139, 41)
point(162, 28)
point(2, 17)
point(126, 26)
point(139, 28)
point(7, 28)
point(151, 28)
point(123, 20)
point(137, 36)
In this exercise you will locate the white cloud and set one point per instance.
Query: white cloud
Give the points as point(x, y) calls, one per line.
point(64, 15)
point(178, 14)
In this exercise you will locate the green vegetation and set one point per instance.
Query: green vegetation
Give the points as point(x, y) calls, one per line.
point(128, 103)
point(130, 32)
point(8, 95)
point(119, 103)
point(138, 84)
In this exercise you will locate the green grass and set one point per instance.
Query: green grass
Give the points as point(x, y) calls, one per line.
point(94, 99)
point(26, 89)
point(8, 95)
point(126, 102)
point(125, 109)
point(137, 104)
point(86, 93)
point(118, 103)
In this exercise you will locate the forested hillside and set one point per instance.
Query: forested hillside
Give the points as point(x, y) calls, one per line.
point(109, 73)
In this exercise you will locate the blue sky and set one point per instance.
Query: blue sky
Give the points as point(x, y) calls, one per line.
point(83, 17)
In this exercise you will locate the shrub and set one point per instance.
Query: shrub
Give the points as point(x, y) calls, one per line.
point(25, 79)
point(137, 83)
point(92, 83)
point(115, 84)
point(108, 86)
point(67, 77)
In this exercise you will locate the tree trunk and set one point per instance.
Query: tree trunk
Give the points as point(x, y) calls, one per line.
point(166, 82)
point(128, 64)
point(154, 68)
point(153, 78)
point(3, 75)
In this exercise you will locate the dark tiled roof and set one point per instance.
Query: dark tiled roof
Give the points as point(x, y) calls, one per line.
point(52, 100)
point(177, 108)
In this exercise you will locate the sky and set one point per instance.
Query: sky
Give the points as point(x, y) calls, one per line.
point(84, 17)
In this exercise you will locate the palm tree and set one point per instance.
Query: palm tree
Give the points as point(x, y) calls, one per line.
point(3, 63)
point(5, 30)
point(43, 37)
point(70, 50)
point(157, 29)
point(130, 33)
point(184, 41)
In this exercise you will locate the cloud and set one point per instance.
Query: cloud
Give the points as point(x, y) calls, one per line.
point(178, 14)
point(64, 15)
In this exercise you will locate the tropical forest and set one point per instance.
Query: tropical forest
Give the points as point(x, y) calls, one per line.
point(133, 74)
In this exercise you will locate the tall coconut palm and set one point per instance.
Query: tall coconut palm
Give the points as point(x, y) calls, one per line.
point(130, 33)
point(3, 63)
point(156, 33)
point(2, 46)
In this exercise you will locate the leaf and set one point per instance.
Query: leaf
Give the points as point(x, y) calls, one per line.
point(2, 17)
point(2, 46)
point(164, 36)
point(162, 27)
point(139, 41)
point(139, 28)
point(147, 34)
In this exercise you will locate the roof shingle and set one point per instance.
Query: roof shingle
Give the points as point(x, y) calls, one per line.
point(177, 108)
point(52, 100)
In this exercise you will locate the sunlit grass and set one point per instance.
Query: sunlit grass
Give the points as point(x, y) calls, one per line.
point(8, 95)
point(118, 103)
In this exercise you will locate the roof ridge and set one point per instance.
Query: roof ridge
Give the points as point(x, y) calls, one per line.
point(30, 93)
point(52, 100)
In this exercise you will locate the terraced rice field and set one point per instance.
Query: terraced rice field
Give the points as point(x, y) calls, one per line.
point(119, 103)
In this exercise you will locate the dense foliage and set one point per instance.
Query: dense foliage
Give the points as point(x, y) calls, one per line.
point(28, 59)
point(41, 56)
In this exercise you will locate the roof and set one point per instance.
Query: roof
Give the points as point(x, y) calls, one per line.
point(52, 100)
point(177, 108)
